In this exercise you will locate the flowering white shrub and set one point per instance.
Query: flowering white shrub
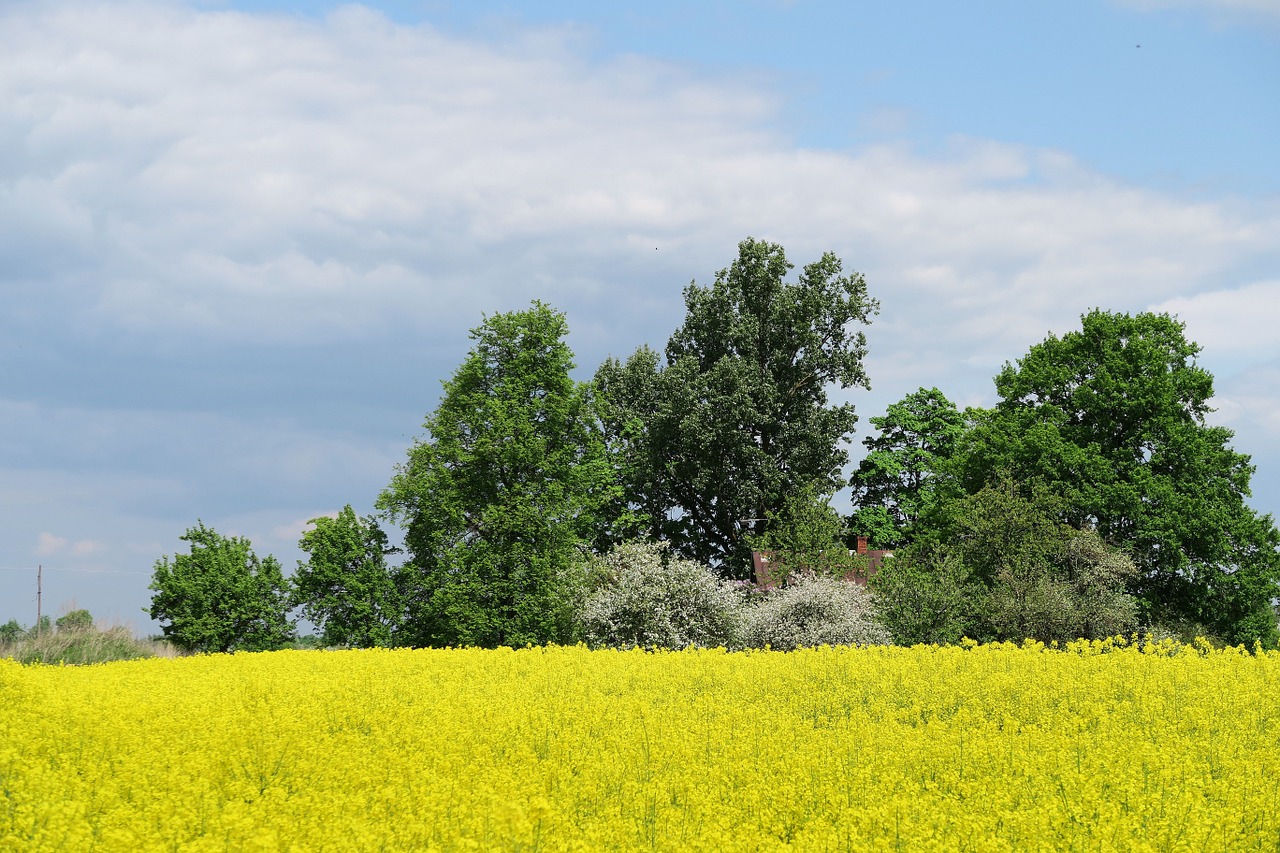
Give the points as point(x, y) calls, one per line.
point(814, 611)
point(652, 599)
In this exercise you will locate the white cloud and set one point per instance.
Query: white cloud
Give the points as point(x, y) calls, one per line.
point(86, 548)
point(292, 531)
point(244, 176)
point(47, 544)
point(1231, 322)
point(1248, 403)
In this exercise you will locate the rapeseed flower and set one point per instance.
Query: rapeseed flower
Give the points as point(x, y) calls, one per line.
point(1099, 745)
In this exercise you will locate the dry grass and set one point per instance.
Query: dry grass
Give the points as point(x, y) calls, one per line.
point(84, 646)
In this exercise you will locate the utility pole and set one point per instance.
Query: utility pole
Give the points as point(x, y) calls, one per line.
point(39, 593)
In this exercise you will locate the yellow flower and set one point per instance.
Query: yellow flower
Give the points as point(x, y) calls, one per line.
point(1108, 745)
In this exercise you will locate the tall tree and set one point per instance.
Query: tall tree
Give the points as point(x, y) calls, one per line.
point(221, 597)
point(896, 482)
point(346, 586)
point(1113, 419)
point(504, 492)
point(737, 419)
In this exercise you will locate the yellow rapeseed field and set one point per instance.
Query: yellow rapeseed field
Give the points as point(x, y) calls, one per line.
point(1101, 746)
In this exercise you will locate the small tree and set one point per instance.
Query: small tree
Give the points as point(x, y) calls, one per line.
point(346, 586)
point(1000, 564)
point(1099, 575)
point(11, 632)
point(814, 611)
point(926, 594)
point(220, 597)
point(650, 599)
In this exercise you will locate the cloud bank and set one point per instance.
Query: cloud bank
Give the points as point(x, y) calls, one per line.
point(237, 176)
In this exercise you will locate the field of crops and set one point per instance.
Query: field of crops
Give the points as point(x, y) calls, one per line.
point(1100, 747)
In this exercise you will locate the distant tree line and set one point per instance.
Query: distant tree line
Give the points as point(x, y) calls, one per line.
point(1093, 499)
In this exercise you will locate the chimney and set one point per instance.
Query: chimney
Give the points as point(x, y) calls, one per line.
point(862, 544)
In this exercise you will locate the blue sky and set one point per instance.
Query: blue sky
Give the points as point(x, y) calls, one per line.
point(241, 243)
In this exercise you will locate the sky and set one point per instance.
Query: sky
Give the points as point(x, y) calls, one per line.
point(242, 243)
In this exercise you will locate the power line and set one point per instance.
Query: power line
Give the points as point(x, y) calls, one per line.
point(78, 571)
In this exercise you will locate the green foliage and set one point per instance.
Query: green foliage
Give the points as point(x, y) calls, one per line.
point(999, 564)
point(647, 598)
point(737, 419)
point(220, 597)
point(926, 594)
point(76, 620)
point(807, 536)
point(896, 482)
point(346, 587)
point(814, 611)
point(11, 632)
point(1111, 419)
point(626, 400)
point(1098, 576)
point(503, 494)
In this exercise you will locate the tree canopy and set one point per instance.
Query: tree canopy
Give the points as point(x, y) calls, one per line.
point(504, 492)
point(221, 597)
point(1001, 564)
point(896, 482)
point(1093, 498)
point(346, 586)
point(1111, 418)
point(737, 418)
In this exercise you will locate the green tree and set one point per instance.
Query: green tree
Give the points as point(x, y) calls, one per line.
point(896, 482)
point(346, 586)
point(1000, 564)
point(738, 419)
point(926, 594)
point(220, 597)
point(11, 632)
point(505, 491)
point(1112, 418)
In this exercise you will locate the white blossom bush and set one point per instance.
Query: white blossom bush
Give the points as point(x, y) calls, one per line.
point(814, 611)
point(654, 600)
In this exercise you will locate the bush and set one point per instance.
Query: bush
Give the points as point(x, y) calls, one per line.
point(1001, 565)
point(814, 611)
point(650, 599)
point(927, 595)
point(76, 620)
